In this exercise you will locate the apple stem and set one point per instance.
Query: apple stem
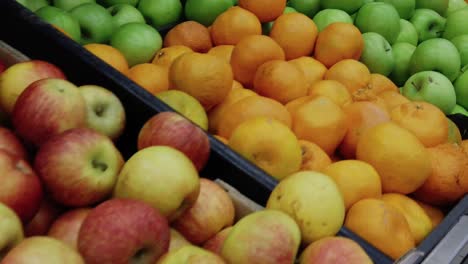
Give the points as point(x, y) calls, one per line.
point(415, 85)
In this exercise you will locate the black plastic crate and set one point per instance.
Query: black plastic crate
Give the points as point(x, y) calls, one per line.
point(38, 40)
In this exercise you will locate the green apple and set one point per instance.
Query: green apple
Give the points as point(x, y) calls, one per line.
point(33, 5)
point(436, 55)
point(327, 16)
point(458, 109)
point(461, 89)
point(68, 5)
point(306, 7)
point(109, 3)
point(124, 13)
point(407, 33)
point(432, 87)
point(402, 53)
point(461, 42)
point(95, 22)
point(440, 6)
point(455, 5)
point(377, 54)
point(266, 27)
point(106, 113)
point(138, 42)
point(381, 18)
point(456, 24)
point(160, 13)
point(205, 11)
point(345, 5)
point(428, 23)
point(405, 8)
point(61, 19)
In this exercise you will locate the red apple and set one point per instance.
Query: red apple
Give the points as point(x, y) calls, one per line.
point(79, 167)
point(11, 143)
point(121, 231)
point(41, 222)
point(67, 226)
point(174, 130)
point(215, 244)
point(334, 250)
point(41, 249)
point(17, 77)
point(20, 187)
point(213, 210)
point(46, 108)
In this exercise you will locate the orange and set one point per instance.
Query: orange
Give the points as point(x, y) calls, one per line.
point(454, 135)
point(313, 70)
point(220, 138)
point(464, 145)
point(360, 116)
point(166, 56)
point(401, 160)
point(313, 157)
point(154, 78)
point(203, 76)
point(216, 113)
point(448, 181)
point(293, 105)
point(320, 121)
point(295, 33)
point(419, 222)
point(222, 51)
point(426, 121)
point(337, 42)
point(233, 25)
point(265, 10)
point(191, 34)
point(250, 107)
point(392, 99)
point(356, 180)
point(110, 55)
point(352, 73)
point(380, 83)
point(382, 225)
point(269, 144)
point(435, 214)
point(280, 80)
point(250, 53)
point(334, 90)
point(367, 95)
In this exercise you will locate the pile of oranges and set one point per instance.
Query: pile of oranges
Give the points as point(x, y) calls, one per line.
point(299, 99)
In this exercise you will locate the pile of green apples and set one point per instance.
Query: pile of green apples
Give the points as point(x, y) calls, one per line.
point(421, 45)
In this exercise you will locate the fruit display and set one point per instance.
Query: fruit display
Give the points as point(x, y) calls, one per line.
point(346, 107)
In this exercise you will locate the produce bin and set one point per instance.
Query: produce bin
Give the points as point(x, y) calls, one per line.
point(38, 40)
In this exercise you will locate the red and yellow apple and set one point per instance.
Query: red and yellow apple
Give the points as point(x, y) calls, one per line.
point(67, 226)
point(43, 219)
point(177, 240)
point(161, 176)
point(215, 244)
point(213, 210)
point(190, 254)
point(11, 230)
point(17, 77)
point(121, 231)
point(79, 167)
point(42, 249)
point(46, 108)
point(20, 188)
point(174, 130)
point(11, 143)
